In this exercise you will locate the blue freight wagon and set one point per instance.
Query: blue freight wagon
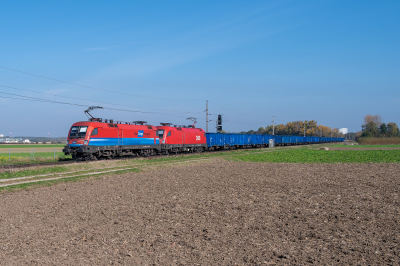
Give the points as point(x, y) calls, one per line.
point(233, 140)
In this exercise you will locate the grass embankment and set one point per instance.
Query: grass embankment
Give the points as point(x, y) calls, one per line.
point(378, 141)
point(24, 158)
point(78, 172)
point(95, 165)
point(41, 157)
point(365, 146)
point(38, 183)
point(322, 156)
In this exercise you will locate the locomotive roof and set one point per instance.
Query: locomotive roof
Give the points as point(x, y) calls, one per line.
point(186, 129)
point(116, 124)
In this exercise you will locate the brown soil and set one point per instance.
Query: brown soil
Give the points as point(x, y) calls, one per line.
point(215, 213)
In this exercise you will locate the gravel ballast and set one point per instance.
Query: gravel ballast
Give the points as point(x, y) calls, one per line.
point(213, 213)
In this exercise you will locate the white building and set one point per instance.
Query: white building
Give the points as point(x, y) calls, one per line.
point(344, 130)
point(27, 141)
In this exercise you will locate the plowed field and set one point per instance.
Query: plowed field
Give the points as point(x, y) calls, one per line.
point(214, 213)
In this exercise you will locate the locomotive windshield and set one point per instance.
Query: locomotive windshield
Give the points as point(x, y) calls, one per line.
point(161, 133)
point(78, 132)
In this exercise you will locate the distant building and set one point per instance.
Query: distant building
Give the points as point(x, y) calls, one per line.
point(344, 130)
point(27, 141)
point(10, 140)
point(1, 136)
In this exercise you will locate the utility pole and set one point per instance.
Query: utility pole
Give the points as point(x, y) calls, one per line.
point(304, 129)
point(207, 116)
point(273, 125)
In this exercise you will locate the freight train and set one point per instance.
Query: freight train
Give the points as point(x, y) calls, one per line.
point(94, 139)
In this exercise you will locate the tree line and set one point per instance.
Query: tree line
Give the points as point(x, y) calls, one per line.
point(374, 128)
point(298, 128)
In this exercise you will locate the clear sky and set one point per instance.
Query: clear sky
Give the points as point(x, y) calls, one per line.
point(330, 61)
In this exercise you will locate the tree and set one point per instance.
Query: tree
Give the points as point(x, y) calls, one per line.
point(383, 130)
point(377, 119)
point(393, 130)
point(281, 129)
point(268, 130)
point(297, 128)
point(371, 127)
point(370, 130)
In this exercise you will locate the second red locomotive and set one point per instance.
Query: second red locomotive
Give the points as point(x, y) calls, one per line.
point(179, 138)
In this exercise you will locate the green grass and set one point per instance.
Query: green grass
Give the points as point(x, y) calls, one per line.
point(88, 167)
point(322, 156)
point(118, 163)
point(12, 146)
point(32, 172)
point(366, 146)
point(40, 157)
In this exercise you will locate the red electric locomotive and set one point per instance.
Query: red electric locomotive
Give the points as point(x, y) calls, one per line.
point(94, 139)
point(181, 138)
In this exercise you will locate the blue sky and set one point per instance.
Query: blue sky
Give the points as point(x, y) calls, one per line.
point(331, 61)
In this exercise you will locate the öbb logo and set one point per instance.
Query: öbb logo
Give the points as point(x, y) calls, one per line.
point(140, 133)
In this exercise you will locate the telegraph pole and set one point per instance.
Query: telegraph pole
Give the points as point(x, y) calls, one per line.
point(304, 129)
point(207, 116)
point(273, 125)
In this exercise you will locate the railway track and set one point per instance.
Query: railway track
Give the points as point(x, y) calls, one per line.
point(108, 169)
point(88, 172)
point(22, 166)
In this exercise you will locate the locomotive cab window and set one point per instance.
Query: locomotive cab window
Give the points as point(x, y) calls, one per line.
point(95, 132)
point(161, 133)
point(78, 132)
point(169, 134)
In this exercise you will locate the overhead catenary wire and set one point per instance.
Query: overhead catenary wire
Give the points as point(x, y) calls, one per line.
point(235, 120)
point(163, 112)
point(75, 98)
point(113, 91)
point(28, 98)
point(232, 110)
point(35, 99)
point(94, 88)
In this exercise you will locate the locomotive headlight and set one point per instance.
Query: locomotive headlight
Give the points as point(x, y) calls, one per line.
point(85, 142)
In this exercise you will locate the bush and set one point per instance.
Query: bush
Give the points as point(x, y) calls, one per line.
point(378, 141)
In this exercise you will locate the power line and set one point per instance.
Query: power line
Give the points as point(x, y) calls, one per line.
point(228, 108)
point(34, 99)
point(234, 120)
point(105, 90)
point(90, 87)
point(27, 98)
point(75, 98)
